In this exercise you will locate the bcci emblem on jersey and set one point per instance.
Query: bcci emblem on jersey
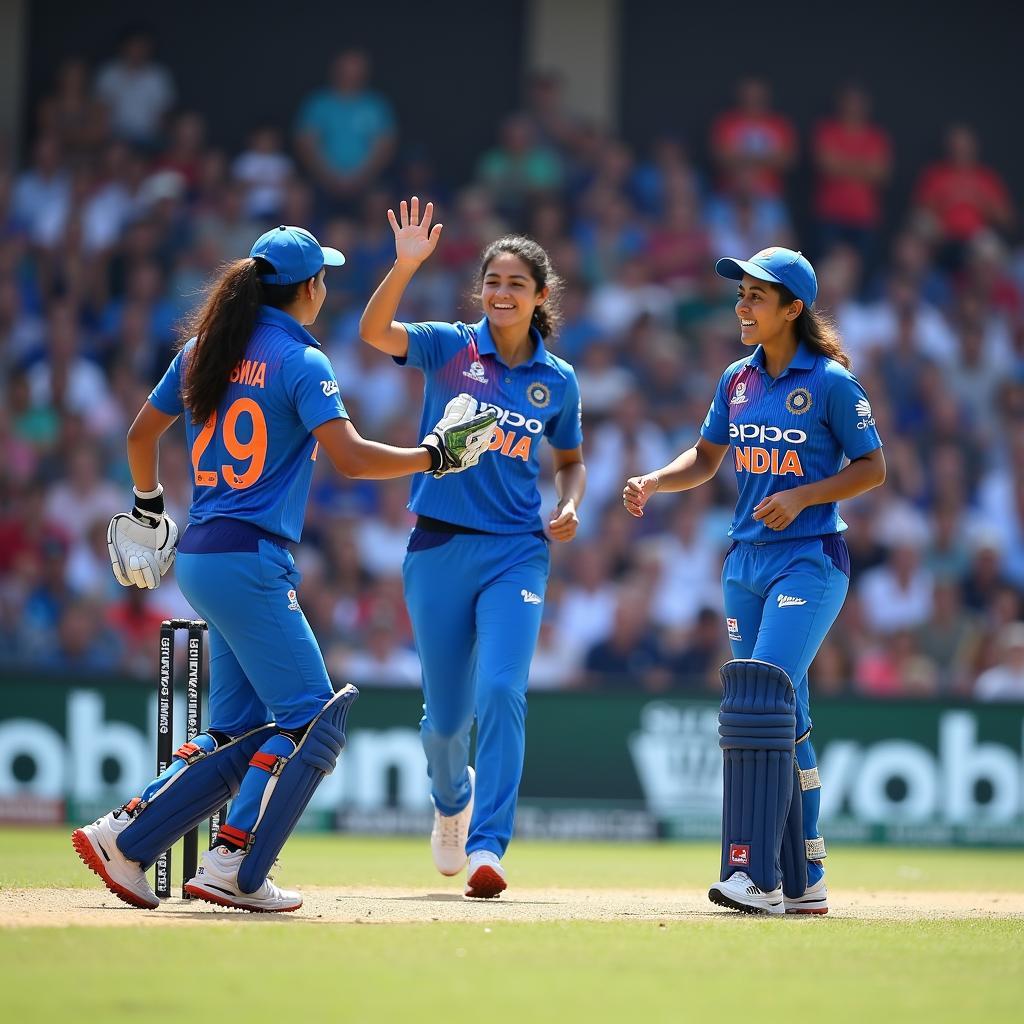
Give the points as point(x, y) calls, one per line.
point(539, 394)
point(799, 401)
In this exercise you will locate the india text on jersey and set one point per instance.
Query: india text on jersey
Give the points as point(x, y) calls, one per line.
point(760, 459)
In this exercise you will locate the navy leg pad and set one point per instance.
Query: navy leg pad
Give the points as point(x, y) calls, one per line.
point(293, 781)
point(205, 783)
point(757, 734)
point(794, 856)
point(797, 849)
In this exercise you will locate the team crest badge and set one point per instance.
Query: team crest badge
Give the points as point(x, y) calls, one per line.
point(739, 396)
point(799, 401)
point(539, 394)
point(293, 601)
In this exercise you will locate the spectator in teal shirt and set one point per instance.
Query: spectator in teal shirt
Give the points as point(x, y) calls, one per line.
point(345, 134)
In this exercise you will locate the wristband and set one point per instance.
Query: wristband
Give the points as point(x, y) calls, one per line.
point(436, 459)
point(150, 501)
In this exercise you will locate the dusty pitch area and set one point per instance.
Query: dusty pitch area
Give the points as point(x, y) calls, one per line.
point(27, 908)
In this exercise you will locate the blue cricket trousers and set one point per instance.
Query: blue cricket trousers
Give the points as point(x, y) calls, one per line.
point(265, 663)
point(476, 602)
point(781, 599)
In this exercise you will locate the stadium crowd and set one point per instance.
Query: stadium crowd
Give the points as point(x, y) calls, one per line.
point(123, 206)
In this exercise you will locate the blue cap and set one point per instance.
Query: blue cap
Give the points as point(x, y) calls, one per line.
point(294, 254)
point(780, 266)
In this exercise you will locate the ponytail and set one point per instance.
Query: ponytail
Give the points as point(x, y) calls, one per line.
point(222, 327)
point(544, 319)
point(817, 330)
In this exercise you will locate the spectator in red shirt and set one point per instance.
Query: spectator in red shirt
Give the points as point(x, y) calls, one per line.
point(753, 135)
point(960, 196)
point(853, 160)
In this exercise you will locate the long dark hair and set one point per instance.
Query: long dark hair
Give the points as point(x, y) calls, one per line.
point(548, 316)
point(816, 329)
point(222, 326)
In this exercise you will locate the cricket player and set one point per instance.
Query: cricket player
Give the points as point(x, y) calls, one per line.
point(477, 564)
point(261, 400)
point(793, 414)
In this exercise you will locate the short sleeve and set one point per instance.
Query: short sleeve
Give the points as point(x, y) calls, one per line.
point(565, 430)
point(314, 389)
point(431, 345)
point(715, 427)
point(850, 418)
point(166, 396)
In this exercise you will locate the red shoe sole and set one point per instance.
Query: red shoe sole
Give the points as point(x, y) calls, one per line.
point(814, 910)
point(485, 884)
point(223, 901)
point(94, 862)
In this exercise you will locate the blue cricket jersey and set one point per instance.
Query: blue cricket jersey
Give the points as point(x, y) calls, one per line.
point(253, 459)
point(793, 430)
point(538, 398)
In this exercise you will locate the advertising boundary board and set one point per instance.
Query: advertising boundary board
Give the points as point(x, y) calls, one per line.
point(616, 765)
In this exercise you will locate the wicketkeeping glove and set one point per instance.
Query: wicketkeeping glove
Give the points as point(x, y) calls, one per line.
point(460, 437)
point(141, 545)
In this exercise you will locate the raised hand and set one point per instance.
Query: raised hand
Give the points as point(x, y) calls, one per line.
point(415, 240)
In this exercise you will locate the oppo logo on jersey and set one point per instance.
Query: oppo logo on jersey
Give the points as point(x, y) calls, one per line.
point(766, 435)
point(508, 441)
point(753, 459)
point(511, 418)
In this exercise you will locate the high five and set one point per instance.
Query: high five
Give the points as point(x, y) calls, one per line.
point(477, 565)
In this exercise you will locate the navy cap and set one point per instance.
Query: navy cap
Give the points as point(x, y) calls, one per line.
point(780, 266)
point(294, 254)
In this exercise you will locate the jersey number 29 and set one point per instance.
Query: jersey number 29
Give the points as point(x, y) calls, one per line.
point(255, 449)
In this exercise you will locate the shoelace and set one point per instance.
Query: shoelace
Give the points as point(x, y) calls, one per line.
point(449, 831)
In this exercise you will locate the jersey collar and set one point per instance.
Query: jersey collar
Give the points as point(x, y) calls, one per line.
point(803, 359)
point(278, 318)
point(485, 344)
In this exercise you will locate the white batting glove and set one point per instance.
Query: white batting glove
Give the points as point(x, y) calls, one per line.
point(142, 544)
point(460, 437)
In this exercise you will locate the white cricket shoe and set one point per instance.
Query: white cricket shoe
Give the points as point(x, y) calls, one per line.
point(216, 881)
point(813, 901)
point(738, 892)
point(96, 844)
point(485, 877)
point(449, 834)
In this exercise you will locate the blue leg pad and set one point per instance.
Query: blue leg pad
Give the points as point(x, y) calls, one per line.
point(802, 847)
point(291, 780)
point(793, 859)
point(757, 733)
point(202, 778)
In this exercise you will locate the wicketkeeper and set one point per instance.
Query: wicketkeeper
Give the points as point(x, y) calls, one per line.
point(261, 401)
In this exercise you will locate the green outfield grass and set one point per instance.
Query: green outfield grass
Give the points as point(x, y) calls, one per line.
point(31, 857)
point(836, 969)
